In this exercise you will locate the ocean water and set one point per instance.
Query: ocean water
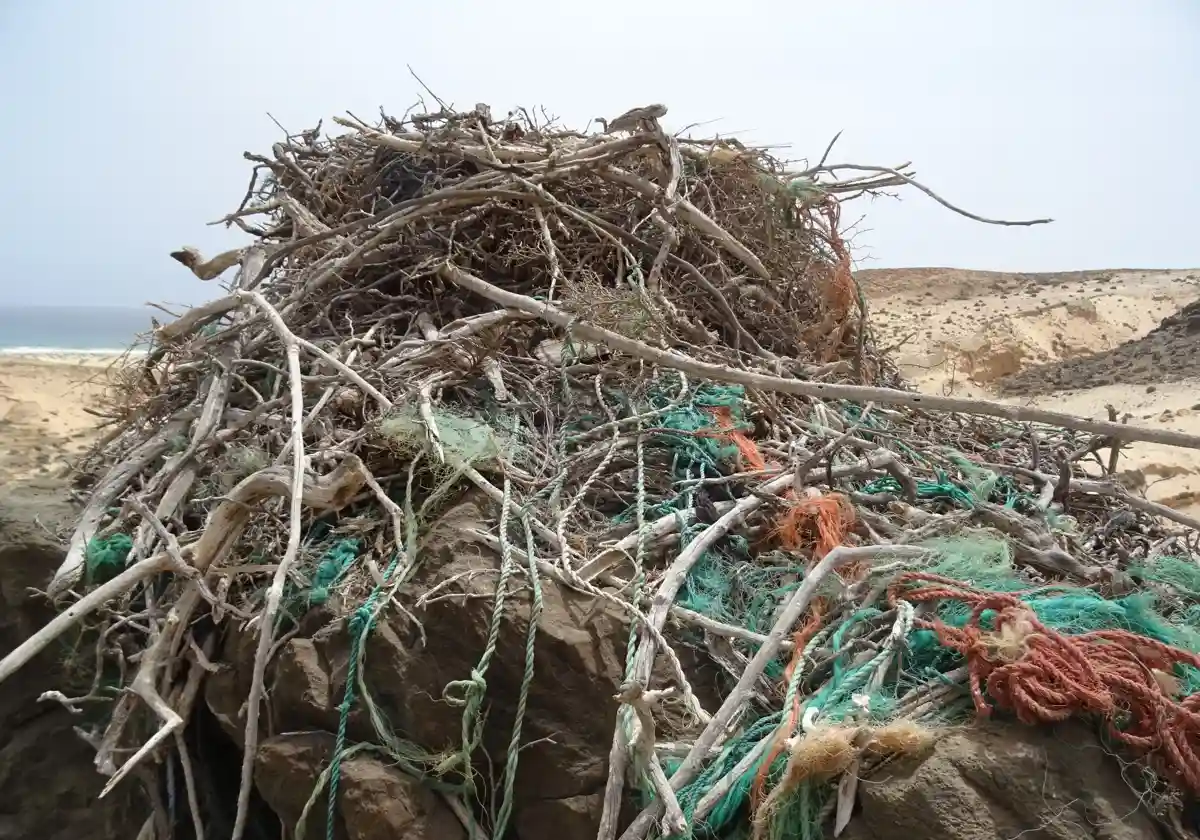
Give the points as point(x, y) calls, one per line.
point(75, 329)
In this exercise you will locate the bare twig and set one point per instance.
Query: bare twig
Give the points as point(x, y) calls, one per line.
point(900, 176)
point(266, 625)
point(819, 390)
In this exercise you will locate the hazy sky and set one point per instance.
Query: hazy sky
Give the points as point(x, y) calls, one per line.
point(125, 122)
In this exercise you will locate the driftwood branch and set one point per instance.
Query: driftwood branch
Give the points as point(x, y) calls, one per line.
point(818, 390)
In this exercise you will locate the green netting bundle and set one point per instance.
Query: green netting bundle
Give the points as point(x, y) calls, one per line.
point(978, 484)
point(329, 571)
point(943, 488)
point(1181, 575)
point(727, 585)
point(699, 454)
point(729, 813)
point(105, 558)
point(466, 441)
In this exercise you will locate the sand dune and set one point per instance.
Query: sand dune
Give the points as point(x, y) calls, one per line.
point(1075, 341)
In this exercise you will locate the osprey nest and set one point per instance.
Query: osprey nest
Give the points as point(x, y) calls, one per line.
point(645, 361)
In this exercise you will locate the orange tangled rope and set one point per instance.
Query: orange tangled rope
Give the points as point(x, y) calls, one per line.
point(800, 640)
point(1045, 676)
point(748, 451)
point(842, 293)
point(830, 515)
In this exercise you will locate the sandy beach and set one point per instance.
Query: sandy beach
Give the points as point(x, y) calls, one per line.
point(43, 401)
point(1076, 342)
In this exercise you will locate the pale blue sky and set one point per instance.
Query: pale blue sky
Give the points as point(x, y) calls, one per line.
point(125, 121)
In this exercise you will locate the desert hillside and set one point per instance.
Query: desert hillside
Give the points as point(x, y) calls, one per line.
point(1074, 341)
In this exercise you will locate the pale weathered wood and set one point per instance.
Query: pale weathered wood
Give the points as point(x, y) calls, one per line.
point(818, 390)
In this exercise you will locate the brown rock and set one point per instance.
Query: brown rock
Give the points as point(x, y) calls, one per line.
point(376, 801)
point(380, 803)
point(307, 679)
point(286, 768)
point(988, 782)
point(579, 662)
point(48, 782)
point(572, 816)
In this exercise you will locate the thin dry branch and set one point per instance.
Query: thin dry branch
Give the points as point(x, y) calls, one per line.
point(818, 390)
point(266, 625)
point(912, 182)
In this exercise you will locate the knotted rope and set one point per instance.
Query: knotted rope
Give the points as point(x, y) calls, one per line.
point(1044, 676)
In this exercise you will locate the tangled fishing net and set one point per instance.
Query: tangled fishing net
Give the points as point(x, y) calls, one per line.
point(650, 355)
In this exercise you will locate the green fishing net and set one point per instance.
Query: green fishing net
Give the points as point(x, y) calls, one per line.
point(978, 559)
point(105, 558)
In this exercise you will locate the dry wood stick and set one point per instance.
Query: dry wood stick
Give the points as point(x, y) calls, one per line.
point(266, 625)
point(221, 533)
point(1109, 489)
point(145, 682)
point(93, 600)
point(289, 338)
point(193, 319)
point(819, 390)
point(145, 686)
point(107, 492)
point(907, 179)
point(722, 787)
point(181, 469)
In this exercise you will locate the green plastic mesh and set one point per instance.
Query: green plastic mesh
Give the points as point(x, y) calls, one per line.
point(697, 455)
point(105, 558)
point(725, 587)
point(465, 440)
point(1176, 572)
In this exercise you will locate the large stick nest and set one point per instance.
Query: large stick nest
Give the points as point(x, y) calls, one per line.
point(431, 303)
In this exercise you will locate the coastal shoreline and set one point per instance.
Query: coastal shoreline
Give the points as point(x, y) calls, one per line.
point(67, 356)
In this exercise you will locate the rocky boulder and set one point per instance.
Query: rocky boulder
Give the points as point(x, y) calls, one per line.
point(1004, 781)
point(377, 801)
point(567, 730)
point(48, 782)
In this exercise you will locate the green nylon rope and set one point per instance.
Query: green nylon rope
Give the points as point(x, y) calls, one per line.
point(535, 613)
point(361, 625)
point(469, 693)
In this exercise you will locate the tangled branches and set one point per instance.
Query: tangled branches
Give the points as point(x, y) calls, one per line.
point(636, 346)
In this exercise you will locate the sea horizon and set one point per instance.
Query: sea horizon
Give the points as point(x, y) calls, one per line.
point(71, 329)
